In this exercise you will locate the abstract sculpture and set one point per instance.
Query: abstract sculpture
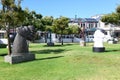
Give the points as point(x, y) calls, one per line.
point(20, 51)
point(98, 41)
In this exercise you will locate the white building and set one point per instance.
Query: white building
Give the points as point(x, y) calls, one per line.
point(112, 31)
point(90, 25)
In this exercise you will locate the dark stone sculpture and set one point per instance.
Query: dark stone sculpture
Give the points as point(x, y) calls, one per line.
point(50, 43)
point(20, 51)
point(20, 45)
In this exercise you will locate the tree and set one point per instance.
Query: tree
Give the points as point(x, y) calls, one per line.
point(32, 18)
point(47, 22)
point(37, 20)
point(10, 15)
point(60, 24)
point(113, 18)
point(73, 29)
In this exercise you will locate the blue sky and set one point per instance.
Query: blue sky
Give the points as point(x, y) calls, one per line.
point(70, 8)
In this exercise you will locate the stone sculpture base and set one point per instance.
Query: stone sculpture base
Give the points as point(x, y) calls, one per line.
point(82, 43)
point(12, 59)
point(50, 44)
point(98, 49)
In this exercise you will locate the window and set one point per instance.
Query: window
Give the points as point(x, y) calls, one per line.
point(1, 35)
point(95, 24)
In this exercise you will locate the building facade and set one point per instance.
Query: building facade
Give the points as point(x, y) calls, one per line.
point(112, 30)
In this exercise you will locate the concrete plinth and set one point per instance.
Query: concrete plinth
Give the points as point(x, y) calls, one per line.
point(98, 49)
point(50, 44)
point(82, 43)
point(12, 59)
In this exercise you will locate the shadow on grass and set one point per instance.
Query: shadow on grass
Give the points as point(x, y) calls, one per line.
point(59, 45)
point(4, 54)
point(50, 58)
point(48, 51)
point(112, 50)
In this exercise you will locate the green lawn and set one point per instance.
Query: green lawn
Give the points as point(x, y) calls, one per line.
point(67, 62)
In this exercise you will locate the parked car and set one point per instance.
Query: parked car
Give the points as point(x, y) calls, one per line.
point(113, 40)
point(89, 38)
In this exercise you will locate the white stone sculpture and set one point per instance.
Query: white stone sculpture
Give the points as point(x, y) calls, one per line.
point(98, 38)
point(98, 41)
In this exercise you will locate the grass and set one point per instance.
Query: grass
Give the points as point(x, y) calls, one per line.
point(67, 62)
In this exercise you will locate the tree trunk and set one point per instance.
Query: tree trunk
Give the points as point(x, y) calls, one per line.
point(61, 37)
point(72, 38)
point(45, 37)
point(8, 39)
point(84, 36)
point(82, 42)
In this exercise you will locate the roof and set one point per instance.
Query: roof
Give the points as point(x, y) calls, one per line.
point(90, 20)
point(83, 20)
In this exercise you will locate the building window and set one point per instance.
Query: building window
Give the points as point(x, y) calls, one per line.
point(95, 24)
point(81, 25)
point(89, 25)
point(1, 35)
point(92, 25)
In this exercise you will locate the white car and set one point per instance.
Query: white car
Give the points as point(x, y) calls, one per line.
point(89, 38)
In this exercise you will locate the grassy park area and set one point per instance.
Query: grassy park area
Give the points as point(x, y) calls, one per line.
point(67, 62)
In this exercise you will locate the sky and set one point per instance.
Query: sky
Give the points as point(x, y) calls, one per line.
point(70, 8)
